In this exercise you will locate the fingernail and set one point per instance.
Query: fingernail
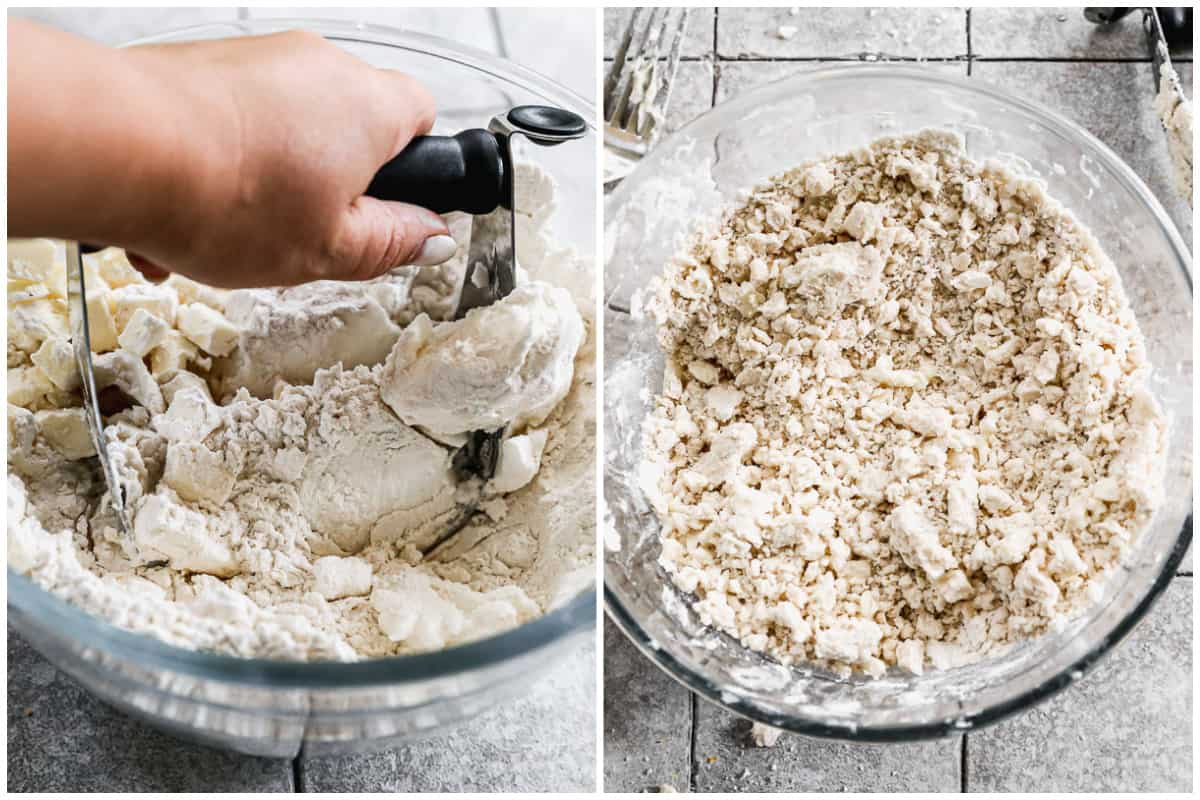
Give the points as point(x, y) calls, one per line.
point(435, 250)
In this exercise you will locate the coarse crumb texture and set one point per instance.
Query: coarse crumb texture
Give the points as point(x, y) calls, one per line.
point(281, 507)
point(905, 417)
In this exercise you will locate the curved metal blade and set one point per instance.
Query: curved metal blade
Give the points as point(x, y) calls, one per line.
point(81, 342)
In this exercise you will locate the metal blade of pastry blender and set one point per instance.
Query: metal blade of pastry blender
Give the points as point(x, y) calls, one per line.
point(81, 342)
point(490, 274)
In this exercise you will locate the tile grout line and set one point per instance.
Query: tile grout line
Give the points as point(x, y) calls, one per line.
point(691, 774)
point(920, 59)
point(962, 766)
point(916, 59)
point(970, 55)
point(297, 774)
point(716, 66)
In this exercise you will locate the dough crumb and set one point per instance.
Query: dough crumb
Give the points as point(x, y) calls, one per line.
point(764, 735)
point(907, 420)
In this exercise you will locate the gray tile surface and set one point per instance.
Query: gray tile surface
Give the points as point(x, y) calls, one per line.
point(545, 742)
point(61, 739)
point(1124, 728)
point(647, 720)
point(736, 77)
point(1113, 102)
point(825, 32)
point(1053, 33)
point(1128, 726)
point(726, 760)
point(697, 41)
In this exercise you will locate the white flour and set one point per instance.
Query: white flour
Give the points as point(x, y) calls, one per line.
point(287, 518)
point(905, 418)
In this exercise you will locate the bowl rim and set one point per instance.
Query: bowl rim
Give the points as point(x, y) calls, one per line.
point(576, 615)
point(386, 35)
point(700, 684)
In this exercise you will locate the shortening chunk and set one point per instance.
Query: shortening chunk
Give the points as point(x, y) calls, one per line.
point(520, 458)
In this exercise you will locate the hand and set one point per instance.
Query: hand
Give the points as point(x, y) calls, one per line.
point(283, 133)
point(237, 162)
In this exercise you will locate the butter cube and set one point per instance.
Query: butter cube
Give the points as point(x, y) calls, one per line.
point(207, 329)
point(102, 328)
point(41, 260)
point(66, 430)
point(158, 300)
point(184, 380)
point(56, 358)
point(27, 386)
point(129, 374)
point(197, 473)
point(33, 321)
point(189, 291)
point(113, 266)
point(93, 281)
point(143, 333)
point(171, 356)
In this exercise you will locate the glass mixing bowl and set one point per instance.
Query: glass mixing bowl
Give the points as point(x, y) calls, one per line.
point(764, 132)
point(275, 708)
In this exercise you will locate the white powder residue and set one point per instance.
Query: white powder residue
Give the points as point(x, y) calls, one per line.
point(905, 418)
point(287, 517)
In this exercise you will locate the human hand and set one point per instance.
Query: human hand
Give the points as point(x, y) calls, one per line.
point(274, 140)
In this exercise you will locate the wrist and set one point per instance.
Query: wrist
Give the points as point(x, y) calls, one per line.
point(182, 139)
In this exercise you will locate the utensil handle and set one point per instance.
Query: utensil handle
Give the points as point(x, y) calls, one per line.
point(466, 172)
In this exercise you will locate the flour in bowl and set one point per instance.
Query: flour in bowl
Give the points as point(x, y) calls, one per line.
point(280, 503)
point(905, 417)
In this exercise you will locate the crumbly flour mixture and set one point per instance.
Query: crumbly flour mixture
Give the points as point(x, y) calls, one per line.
point(905, 418)
point(1175, 113)
point(287, 453)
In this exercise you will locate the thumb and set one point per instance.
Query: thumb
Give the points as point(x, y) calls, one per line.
point(378, 235)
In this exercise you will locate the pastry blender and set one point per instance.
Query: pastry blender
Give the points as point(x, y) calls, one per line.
point(472, 172)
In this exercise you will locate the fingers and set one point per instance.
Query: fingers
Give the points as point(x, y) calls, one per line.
point(150, 271)
point(377, 236)
point(407, 106)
